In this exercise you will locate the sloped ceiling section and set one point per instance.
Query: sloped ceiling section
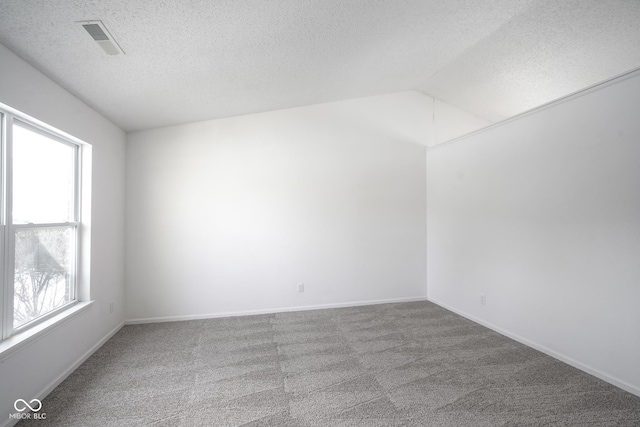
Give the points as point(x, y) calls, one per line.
point(553, 49)
point(190, 60)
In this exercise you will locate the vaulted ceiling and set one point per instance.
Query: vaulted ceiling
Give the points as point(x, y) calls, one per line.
point(190, 60)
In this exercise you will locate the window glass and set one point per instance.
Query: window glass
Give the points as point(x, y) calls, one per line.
point(39, 222)
point(43, 178)
point(43, 274)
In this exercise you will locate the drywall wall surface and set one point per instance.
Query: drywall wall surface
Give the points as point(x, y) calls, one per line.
point(228, 216)
point(27, 373)
point(541, 214)
point(451, 122)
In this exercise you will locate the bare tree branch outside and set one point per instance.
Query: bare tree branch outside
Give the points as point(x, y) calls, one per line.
point(42, 280)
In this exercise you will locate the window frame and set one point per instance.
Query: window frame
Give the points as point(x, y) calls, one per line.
point(8, 119)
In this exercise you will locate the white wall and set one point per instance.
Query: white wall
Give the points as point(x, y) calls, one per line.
point(542, 214)
point(226, 216)
point(27, 373)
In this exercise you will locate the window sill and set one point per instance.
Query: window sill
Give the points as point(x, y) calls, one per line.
point(21, 340)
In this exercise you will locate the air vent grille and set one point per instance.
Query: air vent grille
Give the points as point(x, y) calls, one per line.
point(96, 32)
point(101, 35)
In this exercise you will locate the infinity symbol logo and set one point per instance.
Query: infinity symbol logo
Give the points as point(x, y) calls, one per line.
point(34, 408)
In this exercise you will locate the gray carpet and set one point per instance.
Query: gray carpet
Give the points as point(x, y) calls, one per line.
point(409, 364)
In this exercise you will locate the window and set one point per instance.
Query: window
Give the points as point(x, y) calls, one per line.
point(40, 222)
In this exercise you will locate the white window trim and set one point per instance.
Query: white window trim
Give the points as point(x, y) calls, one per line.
point(38, 328)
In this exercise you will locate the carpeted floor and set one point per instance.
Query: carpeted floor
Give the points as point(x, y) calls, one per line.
point(409, 364)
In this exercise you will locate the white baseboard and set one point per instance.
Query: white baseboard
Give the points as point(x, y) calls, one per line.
point(53, 384)
point(568, 360)
point(269, 310)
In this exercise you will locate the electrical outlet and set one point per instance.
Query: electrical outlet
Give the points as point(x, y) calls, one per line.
point(112, 307)
point(483, 299)
point(300, 287)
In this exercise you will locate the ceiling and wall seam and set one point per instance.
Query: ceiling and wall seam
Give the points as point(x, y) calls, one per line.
point(579, 93)
point(493, 59)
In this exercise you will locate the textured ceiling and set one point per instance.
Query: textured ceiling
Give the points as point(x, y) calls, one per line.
point(553, 49)
point(190, 60)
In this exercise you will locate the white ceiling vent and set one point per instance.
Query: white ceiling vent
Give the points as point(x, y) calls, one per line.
point(101, 35)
